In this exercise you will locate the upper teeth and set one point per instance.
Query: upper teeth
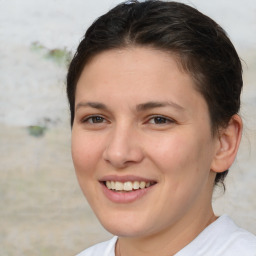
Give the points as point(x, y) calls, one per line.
point(127, 186)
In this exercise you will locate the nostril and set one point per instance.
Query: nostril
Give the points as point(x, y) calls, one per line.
point(122, 149)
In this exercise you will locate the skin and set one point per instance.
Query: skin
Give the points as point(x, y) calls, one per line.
point(170, 143)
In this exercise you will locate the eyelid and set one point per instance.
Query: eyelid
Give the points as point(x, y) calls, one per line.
point(86, 118)
point(168, 119)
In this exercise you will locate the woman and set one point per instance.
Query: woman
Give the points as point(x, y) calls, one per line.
point(154, 93)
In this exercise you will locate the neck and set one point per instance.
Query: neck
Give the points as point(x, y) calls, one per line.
point(167, 242)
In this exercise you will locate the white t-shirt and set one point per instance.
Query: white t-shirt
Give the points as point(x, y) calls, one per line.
point(221, 238)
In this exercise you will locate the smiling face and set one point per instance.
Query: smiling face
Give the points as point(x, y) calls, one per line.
point(142, 144)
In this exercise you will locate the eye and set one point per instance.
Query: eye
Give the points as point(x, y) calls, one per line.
point(94, 119)
point(160, 120)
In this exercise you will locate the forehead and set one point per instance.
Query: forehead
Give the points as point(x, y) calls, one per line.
point(126, 78)
point(136, 65)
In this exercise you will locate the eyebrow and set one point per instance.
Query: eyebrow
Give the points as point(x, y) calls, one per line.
point(96, 105)
point(157, 104)
point(140, 107)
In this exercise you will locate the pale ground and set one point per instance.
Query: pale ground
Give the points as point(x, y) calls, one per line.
point(43, 211)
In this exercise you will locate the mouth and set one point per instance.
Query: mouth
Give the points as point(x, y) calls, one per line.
point(126, 189)
point(127, 186)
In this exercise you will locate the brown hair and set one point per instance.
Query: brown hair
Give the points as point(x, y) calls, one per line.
point(202, 46)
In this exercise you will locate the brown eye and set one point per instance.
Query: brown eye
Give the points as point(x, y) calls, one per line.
point(160, 120)
point(94, 119)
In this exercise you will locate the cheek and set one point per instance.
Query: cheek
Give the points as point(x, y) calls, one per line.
point(85, 152)
point(184, 161)
point(181, 153)
point(170, 150)
point(85, 155)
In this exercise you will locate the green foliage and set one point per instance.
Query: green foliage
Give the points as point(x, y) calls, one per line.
point(35, 46)
point(59, 56)
point(36, 130)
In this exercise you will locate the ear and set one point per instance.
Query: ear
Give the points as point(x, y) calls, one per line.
point(227, 145)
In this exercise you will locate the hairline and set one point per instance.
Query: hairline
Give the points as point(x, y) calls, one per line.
point(175, 54)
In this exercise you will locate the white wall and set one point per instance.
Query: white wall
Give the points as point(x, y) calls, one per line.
point(61, 23)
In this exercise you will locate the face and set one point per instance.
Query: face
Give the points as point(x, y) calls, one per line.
point(141, 142)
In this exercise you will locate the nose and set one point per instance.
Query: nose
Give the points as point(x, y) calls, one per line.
point(123, 148)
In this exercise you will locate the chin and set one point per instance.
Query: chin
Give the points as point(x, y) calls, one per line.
point(126, 226)
point(125, 231)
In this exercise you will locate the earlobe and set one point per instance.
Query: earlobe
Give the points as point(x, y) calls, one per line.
point(228, 143)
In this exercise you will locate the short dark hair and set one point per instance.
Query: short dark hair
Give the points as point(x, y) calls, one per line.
point(201, 45)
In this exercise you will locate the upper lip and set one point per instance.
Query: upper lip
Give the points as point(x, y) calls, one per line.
point(125, 178)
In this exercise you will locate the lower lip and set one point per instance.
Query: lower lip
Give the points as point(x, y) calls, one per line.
point(125, 197)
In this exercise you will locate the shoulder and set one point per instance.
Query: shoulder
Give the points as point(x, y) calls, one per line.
point(222, 238)
point(106, 248)
point(235, 238)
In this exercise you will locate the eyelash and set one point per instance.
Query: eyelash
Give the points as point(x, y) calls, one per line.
point(157, 120)
point(162, 118)
point(93, 117)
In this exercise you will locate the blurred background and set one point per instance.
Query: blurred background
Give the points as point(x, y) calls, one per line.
point(42, 211)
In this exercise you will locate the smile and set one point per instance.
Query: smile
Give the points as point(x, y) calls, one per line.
point(126, 189)
point(127, 185)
